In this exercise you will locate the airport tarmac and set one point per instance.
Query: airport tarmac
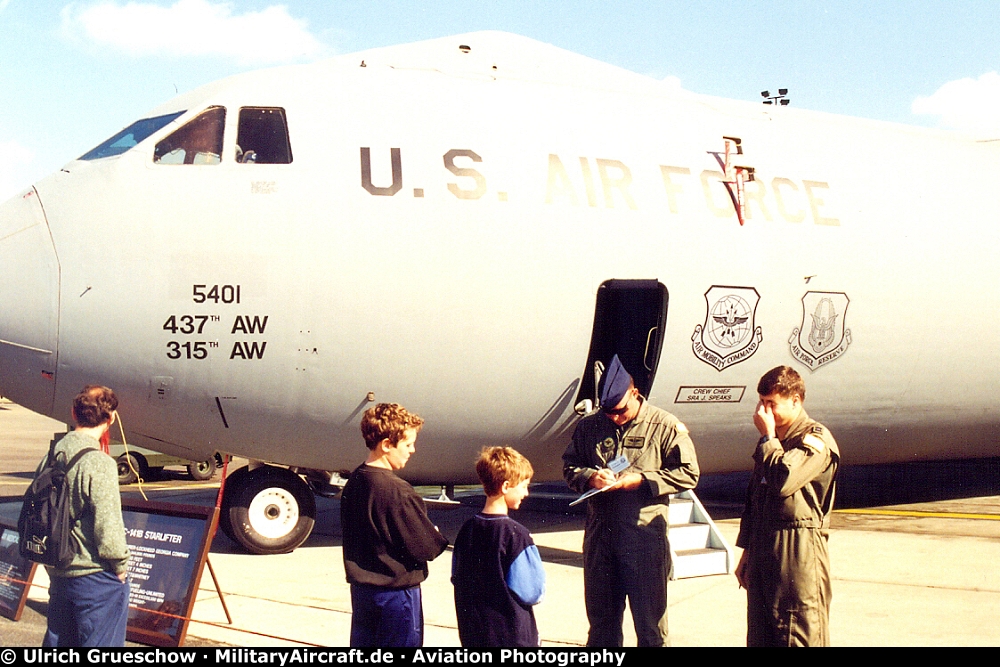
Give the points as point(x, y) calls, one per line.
point(913, 549)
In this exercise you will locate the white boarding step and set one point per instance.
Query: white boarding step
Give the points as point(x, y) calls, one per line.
point(680, 511)
point(700, 563)
point(688, 536)
point(697, 548)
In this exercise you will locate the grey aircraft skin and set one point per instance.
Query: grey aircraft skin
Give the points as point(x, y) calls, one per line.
point(470, 226)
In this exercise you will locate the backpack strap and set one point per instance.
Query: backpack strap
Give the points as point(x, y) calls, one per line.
point(54, 461)
point(79, 455)
point(51, 460)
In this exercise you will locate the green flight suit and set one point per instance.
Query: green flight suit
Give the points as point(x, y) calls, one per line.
point(625, 548)
point(784, 533)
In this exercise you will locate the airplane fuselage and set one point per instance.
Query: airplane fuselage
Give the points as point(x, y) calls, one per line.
point(439, 237)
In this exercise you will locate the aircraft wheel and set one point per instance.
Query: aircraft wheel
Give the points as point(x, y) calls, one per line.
point(270, 510)
point(234, 482)
point(130, 468)
point(202, 470)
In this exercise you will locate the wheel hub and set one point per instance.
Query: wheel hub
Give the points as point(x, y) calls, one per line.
point(273, 513)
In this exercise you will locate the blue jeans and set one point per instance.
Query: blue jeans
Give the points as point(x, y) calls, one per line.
point(386, 617)
point(87, 611)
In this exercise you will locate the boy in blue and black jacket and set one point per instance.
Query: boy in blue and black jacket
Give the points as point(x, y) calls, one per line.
point(496, 568)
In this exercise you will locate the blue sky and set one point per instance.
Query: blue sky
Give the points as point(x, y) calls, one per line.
point(73, 73)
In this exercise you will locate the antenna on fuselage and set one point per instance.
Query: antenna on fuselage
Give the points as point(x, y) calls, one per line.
point(781, 99)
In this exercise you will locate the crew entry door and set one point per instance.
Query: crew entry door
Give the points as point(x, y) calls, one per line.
point(629, 320)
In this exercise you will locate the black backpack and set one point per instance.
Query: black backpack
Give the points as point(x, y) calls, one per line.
point(44, 527)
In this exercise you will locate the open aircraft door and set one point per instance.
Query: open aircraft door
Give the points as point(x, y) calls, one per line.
point(29, 294)
point(629, 320)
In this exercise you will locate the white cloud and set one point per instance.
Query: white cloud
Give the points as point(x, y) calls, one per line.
point(15, 161)
point(193, 28)
point(3, 5)
point(965, 104)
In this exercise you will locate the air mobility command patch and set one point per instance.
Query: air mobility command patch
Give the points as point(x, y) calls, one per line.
point(729, 335)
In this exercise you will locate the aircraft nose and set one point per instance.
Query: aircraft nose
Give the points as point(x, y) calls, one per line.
point(29, 304)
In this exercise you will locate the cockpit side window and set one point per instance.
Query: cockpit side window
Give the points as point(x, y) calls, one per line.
point(129, 137)
point(199, 141)
point(263, 136)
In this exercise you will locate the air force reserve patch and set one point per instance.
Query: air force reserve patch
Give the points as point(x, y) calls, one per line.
point(814, 440)
point(822, 336)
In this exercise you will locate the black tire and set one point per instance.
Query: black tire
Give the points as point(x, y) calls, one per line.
point(233, 482)
point(269, 510)
point(127, 474)
point(202, 470)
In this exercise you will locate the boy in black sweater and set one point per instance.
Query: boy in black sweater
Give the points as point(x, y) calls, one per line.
point(388, 538)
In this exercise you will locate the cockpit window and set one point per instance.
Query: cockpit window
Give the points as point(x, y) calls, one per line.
point(263, 136)
point(129, 137)
point(199, 141)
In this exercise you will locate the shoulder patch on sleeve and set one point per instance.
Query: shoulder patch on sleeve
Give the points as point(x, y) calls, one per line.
point(814, 442)
point(681, 428)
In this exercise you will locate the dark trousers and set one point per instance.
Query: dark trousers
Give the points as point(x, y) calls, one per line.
point(386, 617)
point(87, 611)
point(630, 563)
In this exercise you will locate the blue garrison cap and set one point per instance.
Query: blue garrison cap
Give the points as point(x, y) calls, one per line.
point(616, 384)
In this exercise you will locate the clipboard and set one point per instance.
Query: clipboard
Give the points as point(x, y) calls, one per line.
point(616, 466)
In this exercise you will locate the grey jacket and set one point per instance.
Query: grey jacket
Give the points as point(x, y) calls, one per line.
point(96, 510)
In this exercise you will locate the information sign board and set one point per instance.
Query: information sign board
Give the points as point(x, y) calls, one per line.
point(16, 574)
point(169, 544)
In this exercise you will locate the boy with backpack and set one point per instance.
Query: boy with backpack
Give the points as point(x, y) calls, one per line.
point(496, 568)
point(88, 589)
